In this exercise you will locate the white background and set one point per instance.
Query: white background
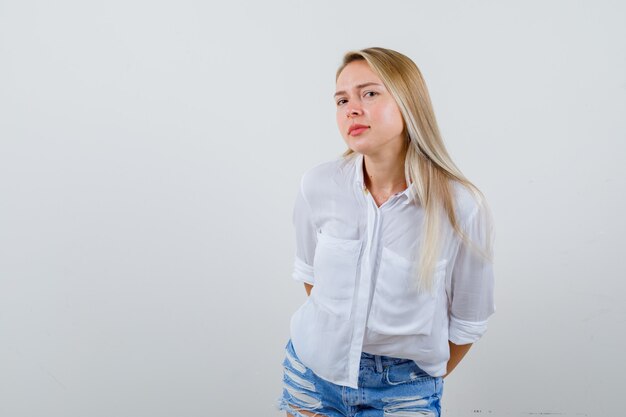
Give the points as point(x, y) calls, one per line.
point(150, 154)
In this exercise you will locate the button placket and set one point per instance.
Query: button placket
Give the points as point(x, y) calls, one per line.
point(365, 285)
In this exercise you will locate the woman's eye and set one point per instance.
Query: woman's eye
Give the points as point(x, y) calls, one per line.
point(339, 102)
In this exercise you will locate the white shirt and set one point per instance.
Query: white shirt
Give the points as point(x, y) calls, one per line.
point(358, 256)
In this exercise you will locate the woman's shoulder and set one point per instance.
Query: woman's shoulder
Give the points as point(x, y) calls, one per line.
point(321, 173)
point(467, 201)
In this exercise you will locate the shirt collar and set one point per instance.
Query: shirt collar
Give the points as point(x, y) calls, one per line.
point(360, 184)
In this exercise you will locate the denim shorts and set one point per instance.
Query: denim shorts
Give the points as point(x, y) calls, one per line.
point(387, 386)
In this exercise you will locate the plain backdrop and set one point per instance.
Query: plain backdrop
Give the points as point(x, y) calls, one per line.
point(150, 153)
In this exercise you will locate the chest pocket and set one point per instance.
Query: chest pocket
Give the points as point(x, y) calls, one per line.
point(335, 267)
point(397, 307)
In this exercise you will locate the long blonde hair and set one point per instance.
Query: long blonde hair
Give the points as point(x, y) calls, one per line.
point(427, 165)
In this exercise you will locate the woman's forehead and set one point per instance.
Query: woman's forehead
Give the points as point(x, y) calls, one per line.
point(355, 78)
point(355, 70)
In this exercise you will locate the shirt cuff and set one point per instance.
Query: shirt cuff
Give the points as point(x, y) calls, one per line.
point(462, 332)
point(302, 272)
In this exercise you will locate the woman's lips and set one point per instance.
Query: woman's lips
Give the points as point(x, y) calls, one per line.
point(358, 131)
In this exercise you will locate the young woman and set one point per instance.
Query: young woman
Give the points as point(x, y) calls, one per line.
point(395, 249)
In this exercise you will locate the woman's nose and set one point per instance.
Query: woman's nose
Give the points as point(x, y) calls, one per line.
point(354, 111)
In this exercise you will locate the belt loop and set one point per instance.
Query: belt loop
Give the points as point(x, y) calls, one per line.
point(379, 363)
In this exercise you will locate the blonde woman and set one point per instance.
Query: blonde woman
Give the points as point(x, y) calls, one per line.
point(395, 249)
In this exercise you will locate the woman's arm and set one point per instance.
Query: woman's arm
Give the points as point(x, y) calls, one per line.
point(308, 287)
point(456, 354)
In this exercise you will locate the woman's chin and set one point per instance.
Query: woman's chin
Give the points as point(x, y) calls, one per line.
point(360, 146)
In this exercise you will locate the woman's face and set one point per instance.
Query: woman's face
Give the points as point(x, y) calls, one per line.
point(363, 99)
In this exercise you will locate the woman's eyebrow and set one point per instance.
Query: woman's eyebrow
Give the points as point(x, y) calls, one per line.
point(357, 87)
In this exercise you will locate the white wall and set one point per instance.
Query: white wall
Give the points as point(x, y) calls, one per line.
point(149, 157)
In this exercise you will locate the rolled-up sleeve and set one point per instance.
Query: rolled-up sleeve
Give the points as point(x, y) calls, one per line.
point(472, 281)
point(306, 238)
